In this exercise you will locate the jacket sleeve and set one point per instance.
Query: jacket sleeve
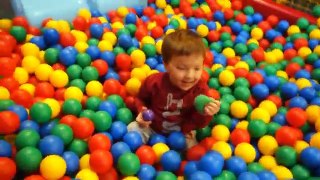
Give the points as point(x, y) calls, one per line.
point(145, 93)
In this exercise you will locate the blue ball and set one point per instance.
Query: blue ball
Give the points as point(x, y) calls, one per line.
point(125, 41)
point(280, 119)
point(139, 10)
point(112, 75)
point(262, 72)
point(170, 161)
point(283, 26)
point(95, 12)
point(147, 172)
point(288, 45)
point(219, 16)
point(272, 82)
point(157, 138)
point(51, 36)
point(244, 34)
point(236, 165)
point(316, 64)
point(20, 111)
point(107, 25)
point(220, 59)
point(236, 27)
point(248, 175)
point(135, 42)
point(192, 23)
point(313, 43)
point(5, 149)
point(307, 136)
point(133, 139)
point(298, 102)
point(39, 41)
point(234, 123)
point(212, 163)
point(266, 175)
point(72, 161)
point(29, 125)
point(302, 74)
point(177, 141)
point(67, 57)
point(145, 18)
point(310, 157)
point(130, 18)
point(94, 52)
point(108, 107)
point(257, 17)
point(117, 130)
point(260, 91)
point(240, 39)
point(190, 168)
point(200, 175)
point(288, 90)
point(271, 34)
point(308, 93)
point(51, 144)
point(45, 129)
point(109, 57)
point(119, 148)
point(211, 25)
point(96, 30)
point(160, 68)
point(249, 20)
point(315, 101)
point(152, 62)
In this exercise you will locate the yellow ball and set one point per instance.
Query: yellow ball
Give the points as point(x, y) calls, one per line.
point(159, 46)
point(317, 125)
point(79, 35)
point(257, 33)
point(315, 34)
point(168, 10)
point(226, 78)
point(84, 161)
point(5, 24)
point(293, 29)
point(182, 23)
point(28, 87)
point(223, 148)
point(303, 83)
point(105, 45)
point(253, 41)
point(260, 113)
point(246, 151)
point(161, 4)
point(169, 31)
point(94, 88)
point(73, 93)
point(269, 106)
point(315, 140)
point(146, 69)
point(147, 40)
point(317, 50)
point(205, 8)
point(53, 167)
point(21, 75)
point(139, 74)
point(131, 178)
point(160, 149)
point(30, 63)
point(122, 11)
point(203, 30)
point(239, 109)
point(229, 52)
point(282, 74)
point(41, 56)
point(85, 13)
point(151, 25)
point(282, 172)
point(52, 24)
point(242, 64)
point(214, 67)
point(117, 25)
point(54, 105)
point(218, 26)
point(30, 49)
point(271, 58)
point(220, 133)
point(313, 113)
point(138, 58)
point(242, 125)
point(268, 162)
point(63, 26)
point(110, 36)
point(4, 93)
point(43, 72)
point(133, 86)
point(87, 174)
point(267, 145)
point(59, 78)
point(191, 1)
point(153, 71)
point(81, 47)
point(278, 54)
point(299, 146)
point(304, 52)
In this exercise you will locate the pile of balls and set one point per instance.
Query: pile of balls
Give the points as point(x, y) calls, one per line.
point(67, 91)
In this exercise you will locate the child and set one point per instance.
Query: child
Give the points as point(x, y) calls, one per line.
point(170, 95)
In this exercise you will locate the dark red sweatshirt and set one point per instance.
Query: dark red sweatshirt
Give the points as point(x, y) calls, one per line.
point(173, 108)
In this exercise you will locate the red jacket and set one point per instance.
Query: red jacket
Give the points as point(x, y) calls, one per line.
point(173, 108)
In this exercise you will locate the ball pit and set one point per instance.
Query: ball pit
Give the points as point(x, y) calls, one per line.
point(67, 91)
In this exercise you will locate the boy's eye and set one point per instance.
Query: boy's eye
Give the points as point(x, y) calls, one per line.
point(180, 68)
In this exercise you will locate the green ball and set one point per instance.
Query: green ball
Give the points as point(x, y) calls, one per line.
point(252, 46)
point(117, 100)
point(118, 50)
point(303, 23)
point(312, 58)
point(74, 71)
point(89, 73)
point(315, 74)
point(272, 127)
point(132, 29)
point(224, 107)
point(240, 49)
point(40, 112)
point(298, 60)
point(225, 90)
point(226, 175)
point(247, 28)
point(19, 33)
point(149, 50)
point(5, 104)
point(166, 175)
point(227, 43)
point(203, 133)
point(241, 82)
point(175, 3)
point(248, 10)
point(209, 71)
point(276, 46)
point(225, 36)
point(300, 172)
point(311, 28)
point(51, 56)
point(316, 11)
point(215, 47)
point(228, 98)
point(283, 110)
point(131, 49)
point(124, 115)
point(93, 42)
point(123, 31)
point(305, 128)
point(200, 102)
point(270, 70)
point(78, 83)
point(255, 167)
point(252, 64)
point(242, 93)
point(71, 106)
point(87, 113)
point(223, 119)
point(214, 83)
point(102, 121)
point(27, 137)
point(128, 164)
point(286, 155)
point(257, 128)
point(28, 159)
point(83, 59)
point(217, 72)
point(175, 23)
point(64, 132)
point(78, 146)
point(93, 103)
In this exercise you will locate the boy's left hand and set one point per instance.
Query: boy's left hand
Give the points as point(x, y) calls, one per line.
point(212, 108)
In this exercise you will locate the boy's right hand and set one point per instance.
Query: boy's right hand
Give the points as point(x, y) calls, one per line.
point(141, 121)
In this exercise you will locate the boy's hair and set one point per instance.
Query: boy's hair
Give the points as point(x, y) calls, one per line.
point(182, 42)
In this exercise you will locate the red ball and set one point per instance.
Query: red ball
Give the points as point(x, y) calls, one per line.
point(34, 177)
point(273, 20)
point(199, 13)
point(240, 72)
point(289, 54)
point(140, 33)
point(130, 102)
point(213, 36)
point(187, 12)
point(208, 142)
point(58, 66)
point(156, 32)
point(68, 119)
point(8, 168)
point(254, 78)
point(236, 5)
point(196, 152)
point(232, 61)
point(123, 92)
point(241, 18)
point(226, 29)
point(258, 54)
point(296, 117)
point(111, 86)
point(264, 43)
point(280, 39)
point(228, 14)
point(110, 175)
point(149, 11)
point(101, 66)
point(300, 42)
point(10, 83)
point(82, 128)
point(79, 23)
point(34, 31)
point(292, 69)
point(59, 94)
point(264, 26)
point(275, 99)
point(99, 142)
point(20, 21)
point(67, 39)
point(124, 76)
point(22, 97)
point(238, 136)
point(213, 93)
point(7, 68)
point(146, 155)
point(208, 59)
point(44, 90)
point(286, 135)
point(101, 161)
point(123, 62)
point(161, 20)
point(9, 122)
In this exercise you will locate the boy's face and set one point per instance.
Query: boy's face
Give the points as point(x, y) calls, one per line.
point(185, 71)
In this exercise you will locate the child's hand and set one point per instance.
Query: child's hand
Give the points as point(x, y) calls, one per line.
point(141, 121)
point(212, 107)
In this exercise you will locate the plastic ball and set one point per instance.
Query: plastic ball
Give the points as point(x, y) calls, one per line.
point(286, 155)
point(58, 78)
point(282, 172)
point(223, 148)
point(9, 122)
point(4, 93)
point(267, 145)
point(260, 113)
point(239, 136)
point(26, 138)
point(296, 117)
point(239, 109)
point(236, 165)
point(314, 141)
point(260, 91)
point(118, 130)
point(40, 112)
point(200, 102)
point(21, 75)
point(220, 132)
point(118, 149)
point(212, 163)
point(226, 78)
point(148, 115)
point(87, 174)
point(53, 167)
point(146, 155)
point(268, 162)
point(128, 164)
point(32, 163)
point(108, 107)
point(54, 106)
point(101, 161)
point(51, 144)
point(170, 160)
point(160, 149)
point(64, 132)
point(245, 151)
point(176, 141)
point(8, 168)
point(5, 149)
point(72, 107)
point(99, 142)
point(30, 63)
point(146, 171)
point(257, 128)
point(138, 58)
point(133, 139)
point(72, 161)
point(82, 128)
point(133, 86)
